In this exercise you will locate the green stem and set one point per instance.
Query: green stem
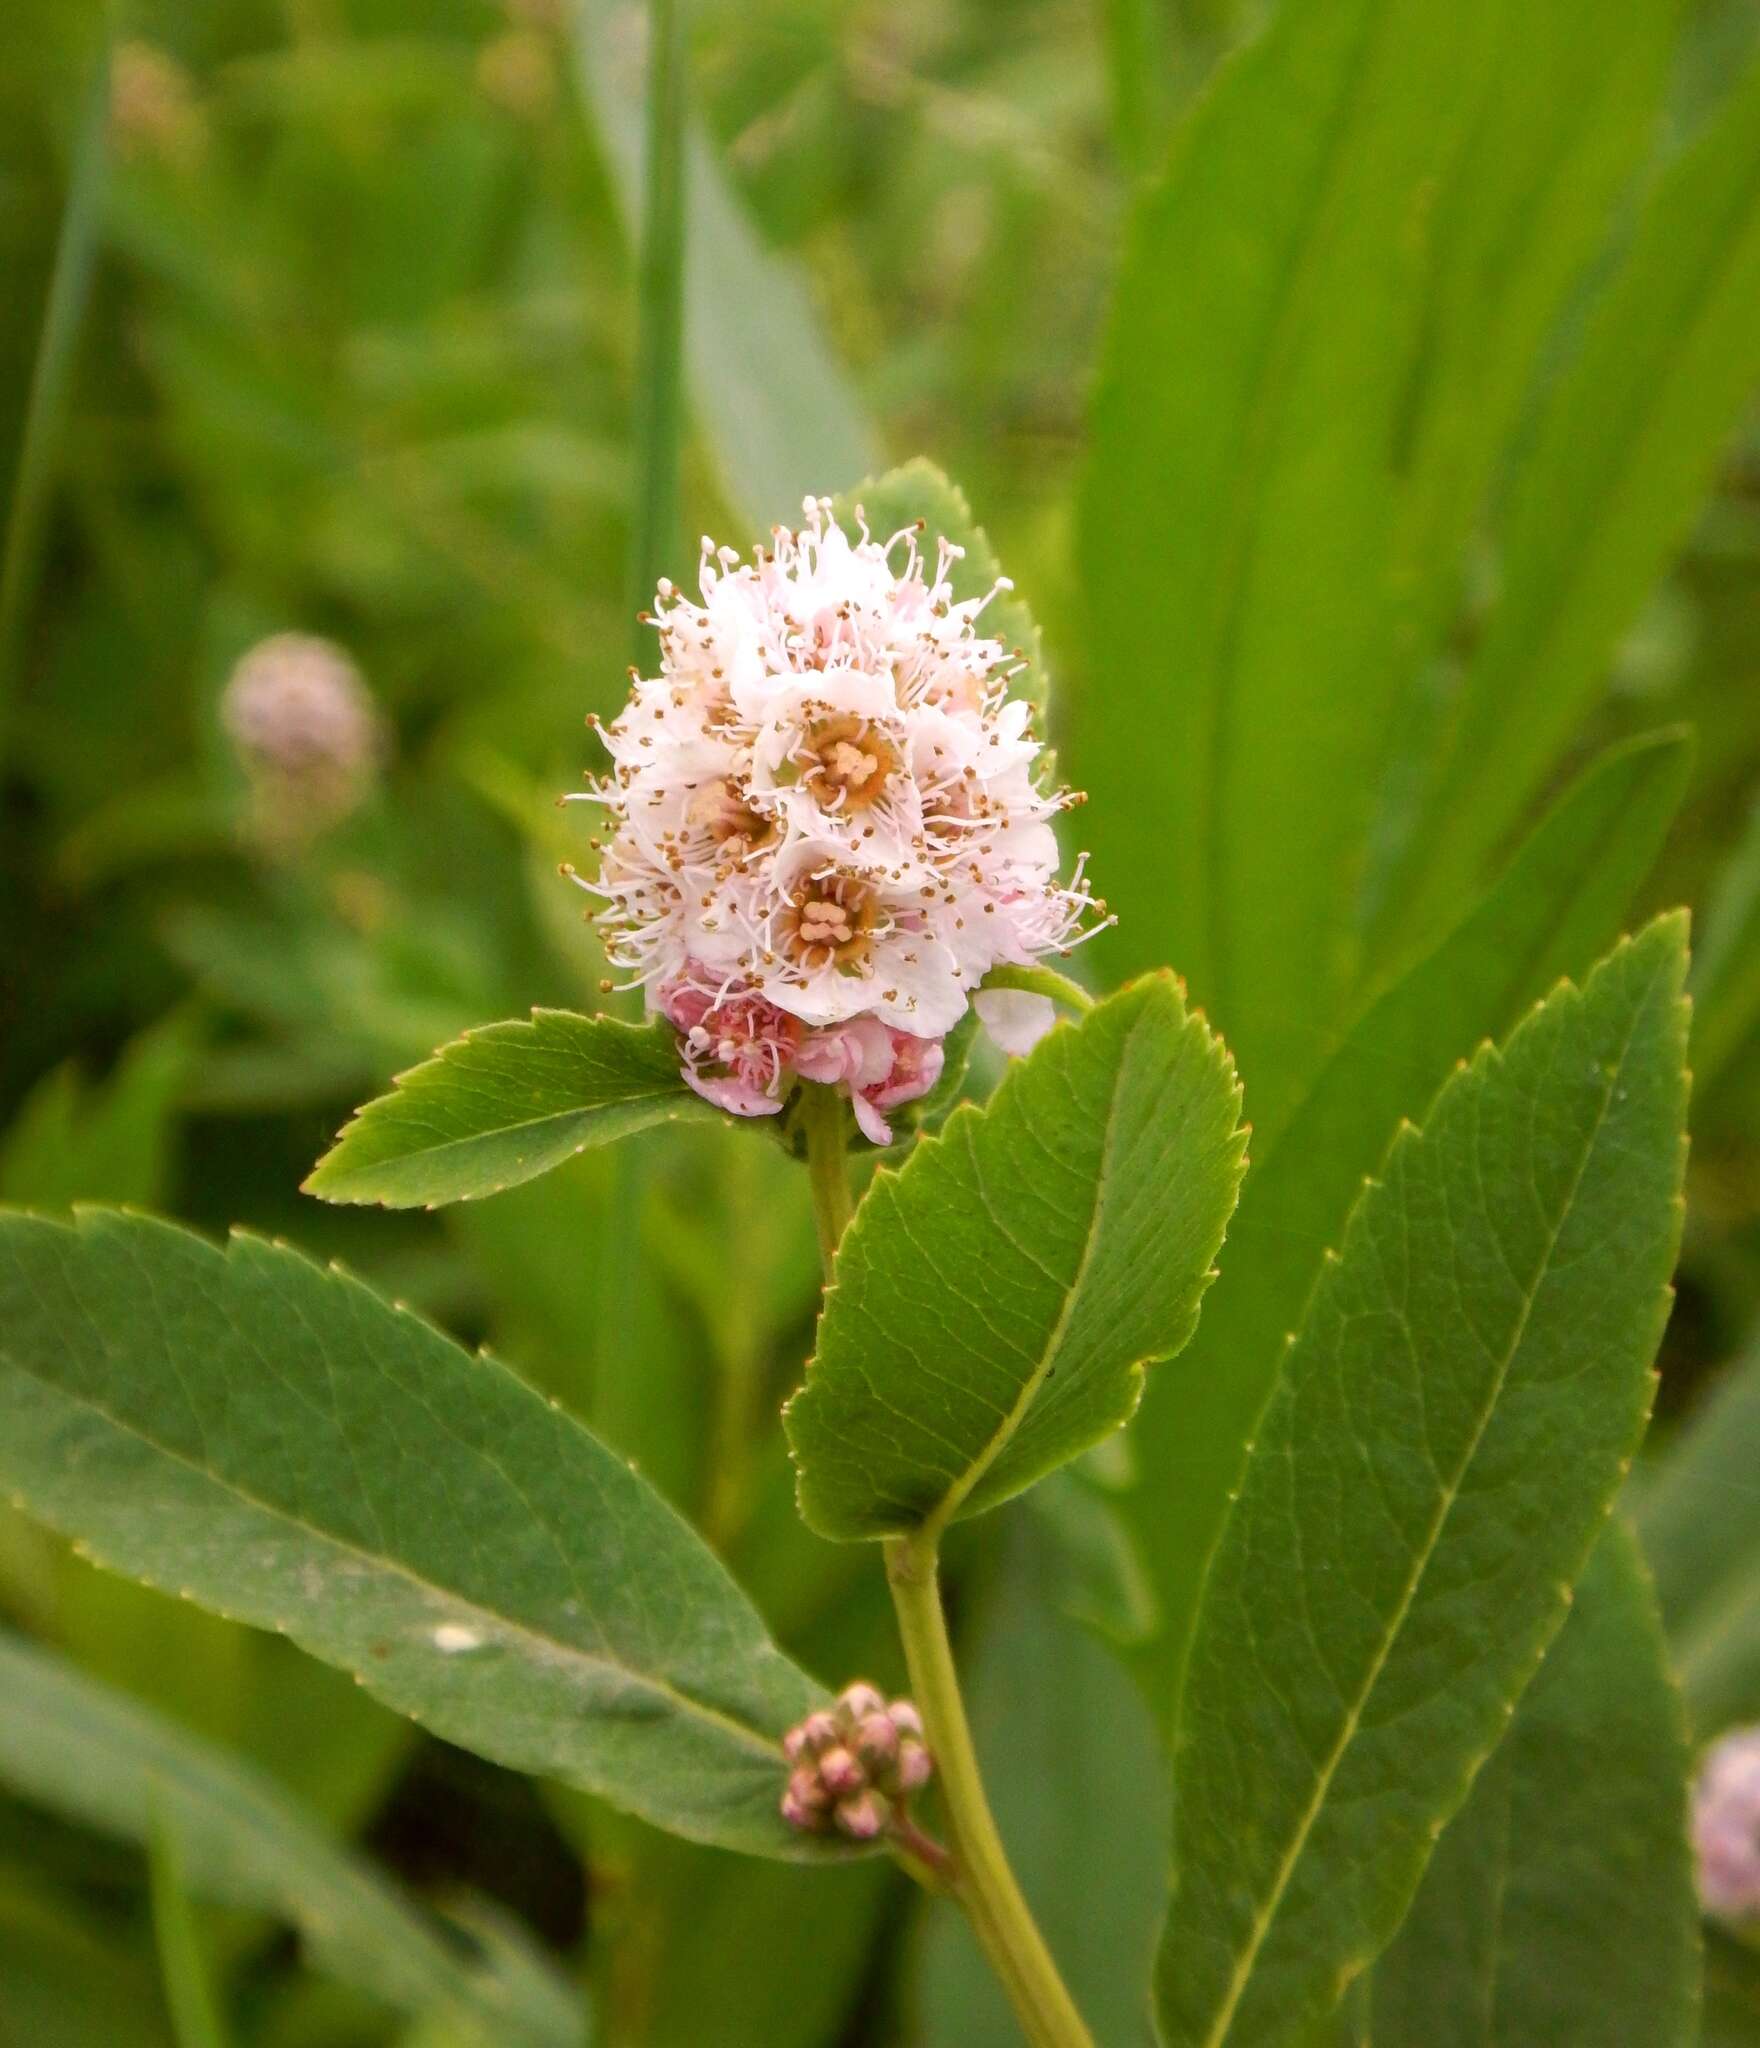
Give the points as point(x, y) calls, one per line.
point(1043, 981)
point(975, 1867)
point(981, 1878)
point(659, 404)
point(825, 1119)
point(46, 403)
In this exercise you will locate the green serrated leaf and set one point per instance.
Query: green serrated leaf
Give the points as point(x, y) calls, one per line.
point(996, 1300)
point(1468, 1386)
point(231, 1836)
point(918, 490)
point(1699, 1520)
point(504, 1104)
point(1559, 1907)
point(273, 1439)
point(1551, 913)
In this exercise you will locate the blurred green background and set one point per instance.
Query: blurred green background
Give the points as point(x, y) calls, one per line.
point(319, 317)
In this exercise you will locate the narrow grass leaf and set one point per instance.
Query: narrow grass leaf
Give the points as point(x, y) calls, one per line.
point(222, 1831)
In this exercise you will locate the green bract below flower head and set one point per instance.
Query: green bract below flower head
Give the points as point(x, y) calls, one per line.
point(828, 822)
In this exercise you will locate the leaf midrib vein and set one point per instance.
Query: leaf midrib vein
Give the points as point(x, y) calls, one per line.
point(497, 1623)
point(1263, 1918)
point(962, 1488)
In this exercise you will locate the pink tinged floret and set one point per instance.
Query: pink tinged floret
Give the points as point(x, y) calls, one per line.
point(736, 1050)
point(1726, 1827)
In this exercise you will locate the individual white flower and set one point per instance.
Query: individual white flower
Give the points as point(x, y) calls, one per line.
point(827, 801)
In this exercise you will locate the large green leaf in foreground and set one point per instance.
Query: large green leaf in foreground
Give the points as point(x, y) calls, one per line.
point(76, 1746)
point(1453, 1418)
point(504, 1104)
point(277, 1442)
point(1559, 1906)
point(996, 1300)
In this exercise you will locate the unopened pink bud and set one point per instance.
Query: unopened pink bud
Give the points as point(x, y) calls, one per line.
point(808, 1819)
point(807, 1789)
point(860, 1816)
point(906, 1719)
point(819, 1732)
point(840, 1773)
point(876, 1740)
point(914, 1768)
point(860, 1700)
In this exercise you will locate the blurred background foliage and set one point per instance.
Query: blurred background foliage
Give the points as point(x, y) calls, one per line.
point(319, 317)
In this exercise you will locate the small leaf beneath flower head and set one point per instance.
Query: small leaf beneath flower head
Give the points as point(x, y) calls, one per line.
point(918, 490)
point(273, 1440)
point(996, 1299)
point(504, 1104)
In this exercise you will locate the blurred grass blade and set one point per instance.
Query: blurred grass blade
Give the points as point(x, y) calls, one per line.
point(659, 400)
point(1326, 320)
point(772, 402)
point(1699, 1520)
point(1726, 968)
point(1559, 1906)
point(1553, 911)
point(1621, 458)
point(1136, 72)
point(63, 315)
point(184, 1970)
point(76, 1746)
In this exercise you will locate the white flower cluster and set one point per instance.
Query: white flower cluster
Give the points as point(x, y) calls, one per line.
point(827, 818)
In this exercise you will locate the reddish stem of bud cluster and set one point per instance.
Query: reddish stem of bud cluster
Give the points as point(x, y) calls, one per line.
point(856, 1765)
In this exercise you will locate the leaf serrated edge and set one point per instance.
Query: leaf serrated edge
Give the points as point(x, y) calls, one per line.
point(88, 1219)
point(1192, 1022)
point(689, 1107)
point(1487, 1054)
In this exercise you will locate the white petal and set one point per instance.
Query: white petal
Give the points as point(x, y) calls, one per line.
point(1015, 1019)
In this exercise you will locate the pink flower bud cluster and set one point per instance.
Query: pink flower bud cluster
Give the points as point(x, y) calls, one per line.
point(742, 1053)
point(829, 821)
point(855, 1764)
point(1726, 1826)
